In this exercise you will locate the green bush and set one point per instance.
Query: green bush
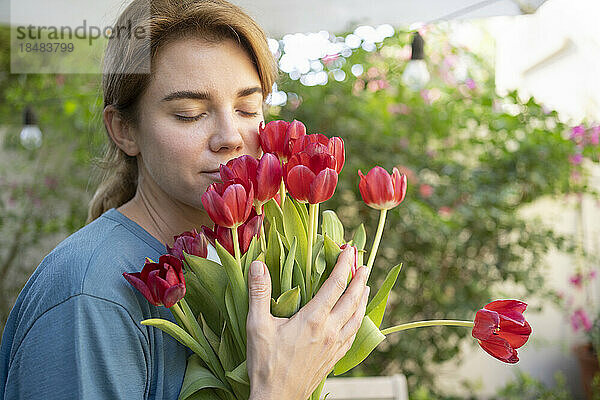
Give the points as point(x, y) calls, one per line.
point(482, 157)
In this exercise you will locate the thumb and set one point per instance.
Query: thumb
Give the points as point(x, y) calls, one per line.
point(259, 290)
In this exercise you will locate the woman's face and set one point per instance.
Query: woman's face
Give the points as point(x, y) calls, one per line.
point(201, 109)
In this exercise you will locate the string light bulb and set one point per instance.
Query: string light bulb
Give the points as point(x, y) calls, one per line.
point(416, 75)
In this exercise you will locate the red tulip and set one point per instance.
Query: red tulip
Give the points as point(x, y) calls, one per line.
point(161, 283)
point(191, 242)
point(246, 232)
point(310, 175)
point(228, 203)
point(278, 137)
point(381, 191)
point(264, 175)
point(335, 145)
point(500, 329)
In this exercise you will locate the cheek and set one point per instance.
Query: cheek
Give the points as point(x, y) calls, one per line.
point(252, 143)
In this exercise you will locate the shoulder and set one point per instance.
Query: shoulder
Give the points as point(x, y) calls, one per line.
point(91, 263)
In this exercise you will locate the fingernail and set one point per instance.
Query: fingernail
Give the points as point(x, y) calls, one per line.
point(256, 268)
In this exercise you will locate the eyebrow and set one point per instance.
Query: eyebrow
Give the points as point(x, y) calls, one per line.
point(203, 95)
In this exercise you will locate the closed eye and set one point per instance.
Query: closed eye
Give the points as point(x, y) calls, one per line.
point(189, 119)
point(248, 114)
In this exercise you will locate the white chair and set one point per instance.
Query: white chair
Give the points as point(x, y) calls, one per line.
point(368, 388)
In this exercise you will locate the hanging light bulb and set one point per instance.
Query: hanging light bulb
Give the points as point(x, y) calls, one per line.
point(416, 75)
point(31, 135)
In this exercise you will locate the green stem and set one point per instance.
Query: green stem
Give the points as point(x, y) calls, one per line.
point(236, 247)
point(263, 241)
point(316, 226)
point(376, 241)
point(311, 227)
point(183, 318)
point(282, 192)
point(420, 324)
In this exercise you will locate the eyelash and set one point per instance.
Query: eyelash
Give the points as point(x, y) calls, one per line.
point(197, 117)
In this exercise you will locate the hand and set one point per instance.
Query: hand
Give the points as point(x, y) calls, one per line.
point(287, 358)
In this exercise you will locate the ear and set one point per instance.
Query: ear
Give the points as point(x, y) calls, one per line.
point(120, 131)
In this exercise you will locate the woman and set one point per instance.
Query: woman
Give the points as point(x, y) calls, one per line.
point(74, 331)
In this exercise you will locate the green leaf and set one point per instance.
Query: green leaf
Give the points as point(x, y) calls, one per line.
point(298, 280)
point(288, 266)
point(239, 289)
point(367, 338)
point(239, 381)
point(197, 377)
point(234, 322)
point(273, 259)
point(213, 278)
point(331, 252)
point(359, 240)
point(360, 237)
point(287, 304)
point(319, 263)
point(376, 306)
point(201, 301)
point(302, 211)
point(293, 226)
point(273, 212)
point(211, 336)
point(251, 255)
point(181, 336)
point(227, 349)
point(332, 227)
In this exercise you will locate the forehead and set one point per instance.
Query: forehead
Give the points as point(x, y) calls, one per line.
point(194, 64)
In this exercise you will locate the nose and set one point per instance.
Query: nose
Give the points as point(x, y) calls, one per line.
point(226, 136)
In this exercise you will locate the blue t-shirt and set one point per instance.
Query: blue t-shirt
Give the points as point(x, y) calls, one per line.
point(75, 332)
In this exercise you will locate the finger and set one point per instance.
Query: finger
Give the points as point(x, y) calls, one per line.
point(350, 300)
point(259, 292)
point(349, 330)
point(334, 286)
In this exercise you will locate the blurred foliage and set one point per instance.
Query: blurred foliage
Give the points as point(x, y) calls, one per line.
point(472, 158)
point(44, 192)
point(525, 387)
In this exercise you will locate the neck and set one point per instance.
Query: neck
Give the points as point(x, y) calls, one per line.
point(162, 216)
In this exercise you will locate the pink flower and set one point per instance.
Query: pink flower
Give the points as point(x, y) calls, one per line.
point(580, 319)
point(471, 84)
point(577, 132)
point(576, 280)
point(576, 159)
point(425, 190)
point(445, 212)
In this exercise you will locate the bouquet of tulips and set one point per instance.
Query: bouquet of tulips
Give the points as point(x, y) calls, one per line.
point(268, 209)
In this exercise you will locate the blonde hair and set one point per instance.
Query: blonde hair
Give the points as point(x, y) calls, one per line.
point(167, 21)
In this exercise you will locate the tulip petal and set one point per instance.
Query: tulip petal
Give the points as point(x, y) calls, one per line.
point(216, 208)
point(268, 177)
point(500, 349)
point(336, 148)
point(399, 184)
point(298, 182)
point(235, 199)
point(509, 309)
point(515, 334)
point(137, 283)
point(158, 286)
point(173, 294)
point(323, 186)
point(486, 323)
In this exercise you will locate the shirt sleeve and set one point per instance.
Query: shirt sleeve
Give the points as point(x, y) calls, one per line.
point(84, 348)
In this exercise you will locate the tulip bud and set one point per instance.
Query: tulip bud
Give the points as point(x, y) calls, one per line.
point(278, 137)
point(228, 203)
point(190, 242)
point(310, 175)
point(381, 191)
point(500, 329)
point(161, 283)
